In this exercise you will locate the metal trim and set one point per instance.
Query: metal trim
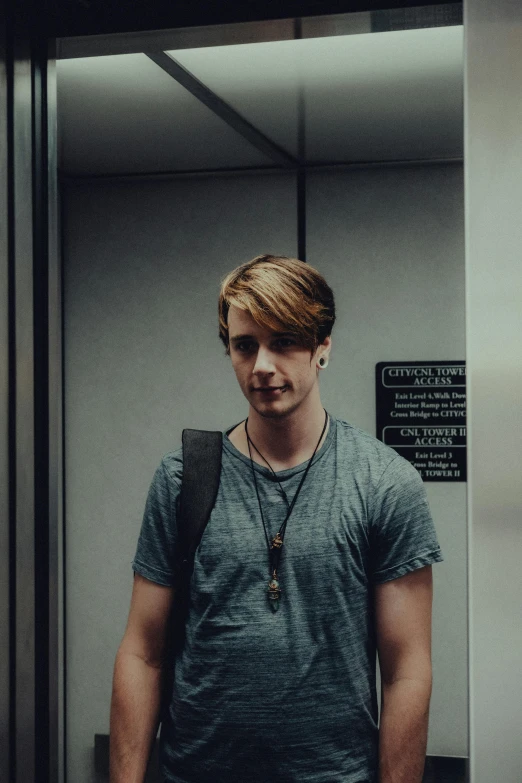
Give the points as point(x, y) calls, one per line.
point(225, 172)
point(115, 16)
point(326, 25)
point(301, 214)
point(56, 467)
point(5, 441)
point(301, 151)
point(175, 38)
point(222, 109)
point(24, 487)
point(30, 217)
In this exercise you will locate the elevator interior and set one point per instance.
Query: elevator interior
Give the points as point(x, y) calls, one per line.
point(182, 156)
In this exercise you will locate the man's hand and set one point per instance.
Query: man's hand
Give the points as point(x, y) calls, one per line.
point(403, 627)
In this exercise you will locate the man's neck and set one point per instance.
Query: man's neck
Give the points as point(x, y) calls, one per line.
point(285, 441)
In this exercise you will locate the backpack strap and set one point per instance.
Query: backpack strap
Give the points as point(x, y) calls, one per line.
point(199, 488)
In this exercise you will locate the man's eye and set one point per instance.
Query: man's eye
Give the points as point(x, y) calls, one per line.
point(285, 342)
point(243, 347)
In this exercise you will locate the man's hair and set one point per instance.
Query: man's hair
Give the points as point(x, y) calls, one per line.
point(282, 294)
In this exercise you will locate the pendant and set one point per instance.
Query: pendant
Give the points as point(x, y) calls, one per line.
point(274, 592)
point(277, 542)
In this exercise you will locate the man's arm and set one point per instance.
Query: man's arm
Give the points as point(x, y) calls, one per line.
point(136, 691)
point(403, 626)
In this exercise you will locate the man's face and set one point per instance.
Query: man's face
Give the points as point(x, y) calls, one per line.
point(275, 372)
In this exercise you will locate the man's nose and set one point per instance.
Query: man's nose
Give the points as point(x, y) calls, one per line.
point(264, 361)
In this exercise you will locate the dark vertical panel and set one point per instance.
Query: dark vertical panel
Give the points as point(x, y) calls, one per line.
point(47, 430)
point(4, 414)
point(41, 407)
point(55, 468)
point(301, 154)
point(301, 214)
point(27, 538)
point(22, 254)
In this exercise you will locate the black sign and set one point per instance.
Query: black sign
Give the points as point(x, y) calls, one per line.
point(421, 413)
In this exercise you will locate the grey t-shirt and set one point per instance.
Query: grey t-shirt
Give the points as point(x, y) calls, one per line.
point(287, 696)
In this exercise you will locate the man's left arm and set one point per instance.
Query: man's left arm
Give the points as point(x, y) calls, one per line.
point(403, 628)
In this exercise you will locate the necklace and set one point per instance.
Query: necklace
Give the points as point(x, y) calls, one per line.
point(283, 493)
point(275, 546)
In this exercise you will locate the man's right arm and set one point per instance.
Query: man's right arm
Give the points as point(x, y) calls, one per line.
point(136, 691)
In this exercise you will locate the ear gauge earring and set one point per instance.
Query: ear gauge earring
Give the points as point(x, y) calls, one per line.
point(323, 362)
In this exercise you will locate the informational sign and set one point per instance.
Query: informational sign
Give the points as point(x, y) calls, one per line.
point(421, 413)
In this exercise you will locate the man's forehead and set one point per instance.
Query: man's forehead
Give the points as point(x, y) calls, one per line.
point(241, 324)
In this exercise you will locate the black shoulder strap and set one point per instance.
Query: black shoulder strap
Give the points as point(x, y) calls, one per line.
point(199, 487)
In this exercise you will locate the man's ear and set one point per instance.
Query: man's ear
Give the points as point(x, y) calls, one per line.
point(326, 347)
point(323, 350)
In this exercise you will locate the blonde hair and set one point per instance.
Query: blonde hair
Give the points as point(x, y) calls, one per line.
point(282, 294)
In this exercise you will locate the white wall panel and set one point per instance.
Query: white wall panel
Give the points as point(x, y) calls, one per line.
point(493, 154)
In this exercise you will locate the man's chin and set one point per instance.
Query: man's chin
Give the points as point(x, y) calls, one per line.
point(271, 411)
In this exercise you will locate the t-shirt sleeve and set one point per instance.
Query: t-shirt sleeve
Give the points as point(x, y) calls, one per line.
point(158, 536)
point(403, 536)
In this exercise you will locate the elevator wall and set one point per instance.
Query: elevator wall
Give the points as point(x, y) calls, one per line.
point(142, 266)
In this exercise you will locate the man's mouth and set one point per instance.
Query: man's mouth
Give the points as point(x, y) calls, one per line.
point(268, 389)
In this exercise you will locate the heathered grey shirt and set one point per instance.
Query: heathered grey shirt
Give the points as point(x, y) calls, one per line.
point(287, 696)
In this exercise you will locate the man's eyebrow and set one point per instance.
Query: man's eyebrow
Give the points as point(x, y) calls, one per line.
point(239, 337)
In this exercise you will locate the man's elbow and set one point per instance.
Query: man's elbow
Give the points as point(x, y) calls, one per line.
point(413, 666)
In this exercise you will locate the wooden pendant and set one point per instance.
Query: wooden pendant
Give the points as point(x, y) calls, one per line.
point(274, 592)
point(277, 542)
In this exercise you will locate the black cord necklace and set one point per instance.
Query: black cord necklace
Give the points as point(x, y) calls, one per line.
point(275, 546)
point(283, 493)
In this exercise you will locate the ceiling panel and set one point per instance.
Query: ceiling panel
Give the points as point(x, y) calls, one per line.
point(368, 97)
point(123, 114)
point(375, 96)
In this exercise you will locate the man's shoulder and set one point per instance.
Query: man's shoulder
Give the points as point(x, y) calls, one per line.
point(172, 465)
point(354, 438)
point(172, 461)
point(369, 454)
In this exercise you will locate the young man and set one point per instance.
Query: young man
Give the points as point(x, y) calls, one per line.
point(317, 555)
